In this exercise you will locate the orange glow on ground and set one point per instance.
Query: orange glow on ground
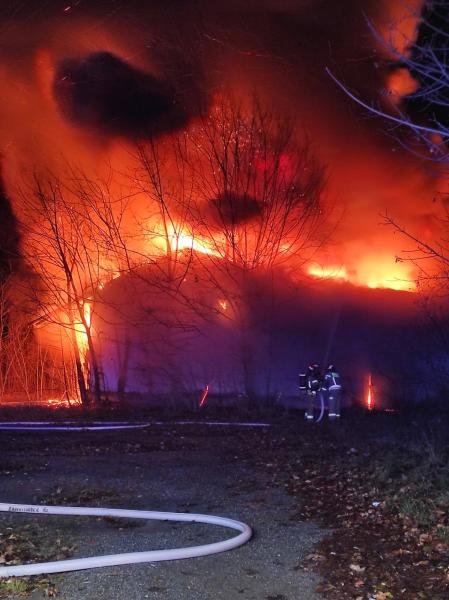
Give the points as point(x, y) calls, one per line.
point(61, 403)
point(52, 403)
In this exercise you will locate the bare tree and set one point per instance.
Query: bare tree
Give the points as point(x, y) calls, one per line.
point(74, 242)
point(256, 186)
point(240, 192)
point(423, 115)
point(423, 112)
point(79, 235)
point(419, 122)
point(237, 189)
point(167, 198)
point(257, 197)
point(430, 260)
point(28, 370)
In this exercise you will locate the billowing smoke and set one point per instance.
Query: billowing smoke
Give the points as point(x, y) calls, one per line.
point(233, 208)
point(104, 93)
point(80, 81)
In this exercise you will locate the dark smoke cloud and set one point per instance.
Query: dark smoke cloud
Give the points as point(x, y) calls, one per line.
point(233, 208)
point(104, 93)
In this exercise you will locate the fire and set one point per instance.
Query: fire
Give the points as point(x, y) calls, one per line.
point(374, 273)
point(328, 272)
point(176, 238)
point(81, 331)
point(204, 395)
point(181, 240)
point(223, 304)
point(382, 272)
point(62, 402)
point(35, 130)
point(53, 403)
point(370, 394)
point(387, 283)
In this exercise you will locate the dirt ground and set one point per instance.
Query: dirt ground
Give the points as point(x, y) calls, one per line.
point(189, 469)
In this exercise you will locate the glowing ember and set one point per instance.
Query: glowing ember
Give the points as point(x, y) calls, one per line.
point(370, 394)
point(223, 304)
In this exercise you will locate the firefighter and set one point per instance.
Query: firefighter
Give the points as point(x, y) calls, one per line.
point(314, 381)
point(332, 387)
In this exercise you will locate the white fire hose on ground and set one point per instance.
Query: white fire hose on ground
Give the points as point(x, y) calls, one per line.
point(77, 564)
point(150, 556)
point(110, 425)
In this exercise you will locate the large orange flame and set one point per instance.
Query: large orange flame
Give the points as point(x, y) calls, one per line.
point(180, 239)
point(321, 272)
point(81, 330)
point(374, 273)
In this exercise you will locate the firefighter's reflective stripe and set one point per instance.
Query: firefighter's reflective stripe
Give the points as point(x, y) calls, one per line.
point(314, 385)
point(302, 381)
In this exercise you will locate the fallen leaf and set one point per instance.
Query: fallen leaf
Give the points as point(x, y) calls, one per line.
point(357, 568)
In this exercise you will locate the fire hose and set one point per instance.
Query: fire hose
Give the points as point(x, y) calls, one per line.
point(123, 558)
point(128, 558)
point(111, 425)
point(321, 415)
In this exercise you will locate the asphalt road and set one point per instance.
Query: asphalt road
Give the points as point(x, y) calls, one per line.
point(136, 470)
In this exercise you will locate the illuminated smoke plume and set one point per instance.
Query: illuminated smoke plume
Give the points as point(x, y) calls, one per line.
point(74, 81)
point(104, 93)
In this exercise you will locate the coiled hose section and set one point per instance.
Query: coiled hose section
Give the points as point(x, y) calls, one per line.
point(110, 560)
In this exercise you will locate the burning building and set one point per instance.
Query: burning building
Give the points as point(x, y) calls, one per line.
point(170, 201)
point(251, 338)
